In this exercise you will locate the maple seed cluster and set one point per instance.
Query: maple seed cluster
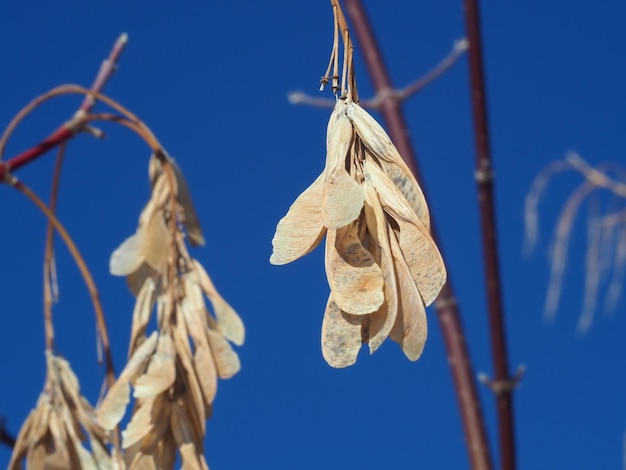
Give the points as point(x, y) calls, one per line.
point(382, 265)
point(174, 383)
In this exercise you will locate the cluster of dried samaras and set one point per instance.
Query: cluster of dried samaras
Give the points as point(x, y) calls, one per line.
point(382, 265)
point(173, 371)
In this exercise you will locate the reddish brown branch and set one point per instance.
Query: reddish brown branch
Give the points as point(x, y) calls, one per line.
point(447, 308)
point(65, 132)
point(484, 181)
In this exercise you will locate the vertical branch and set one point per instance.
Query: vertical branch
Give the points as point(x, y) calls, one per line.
point(447, 308)
point(503, 384)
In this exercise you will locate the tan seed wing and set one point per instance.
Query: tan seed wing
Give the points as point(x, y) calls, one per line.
point(418, 247)
point(372, 134)
point(112, 409)
point(141, 313)
point(143, 421)
point(343, 197)
point(229, 323)
point(301, 230)
point(404, 180)
point(353, 275)
point(156, 241)
point(424, 260)
point(195, 398)
point(185, 439)
point(127, 257)
point(226, 360)
point(190, 220)
point(341, 335)
point(382, 320)
point(161, 371)
point(411, 328)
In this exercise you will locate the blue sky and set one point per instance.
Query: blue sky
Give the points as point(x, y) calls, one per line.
point(211, 80)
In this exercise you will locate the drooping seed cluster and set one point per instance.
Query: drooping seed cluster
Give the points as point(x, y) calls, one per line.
point(382, 265)
point(174, 380)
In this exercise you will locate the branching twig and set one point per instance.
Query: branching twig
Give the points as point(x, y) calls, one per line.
point(66, 131)
point(460, 46)
point(447, 308)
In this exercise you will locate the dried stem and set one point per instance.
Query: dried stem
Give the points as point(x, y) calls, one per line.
point(64, 132)
point(447, 308)
point(460, 46)
point(82, 266)
point(484, 181)
point(48, 259)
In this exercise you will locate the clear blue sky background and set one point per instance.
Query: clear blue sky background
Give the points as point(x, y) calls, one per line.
point(211, 79)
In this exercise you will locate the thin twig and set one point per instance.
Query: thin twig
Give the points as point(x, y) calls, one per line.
point(402, 94)
point(64, 132)
point(447, 308)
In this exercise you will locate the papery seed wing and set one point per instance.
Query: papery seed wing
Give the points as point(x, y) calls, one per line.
point(143, 421)
point(141, 313)
point(411, 328)
point(127, 257)
point(341, 335)
point(194, 396)
point(379, 144)
point(405, 181)
point(424, 260)
point(417, 245)
point(112, 409)
point(226, 360)
point(372, 134)
point(137, 279)
point(156, 241)
point(353, 275)
point(381, 322)
point(301, 230)
point(190, 221)
point(185, 439)
point(229, 323)
point(342, 198)
point(195, 315)
point(161, 371)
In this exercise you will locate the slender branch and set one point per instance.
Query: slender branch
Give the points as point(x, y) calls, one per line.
point(460, 46)
point(447, 308)
point(484, 181)
point(64, 132)
point(82, 266)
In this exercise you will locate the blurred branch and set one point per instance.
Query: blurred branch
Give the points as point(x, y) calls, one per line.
point(460, 46)
point(5, 437)
point(446, 304)
point(67, 130)
point(484, 181)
